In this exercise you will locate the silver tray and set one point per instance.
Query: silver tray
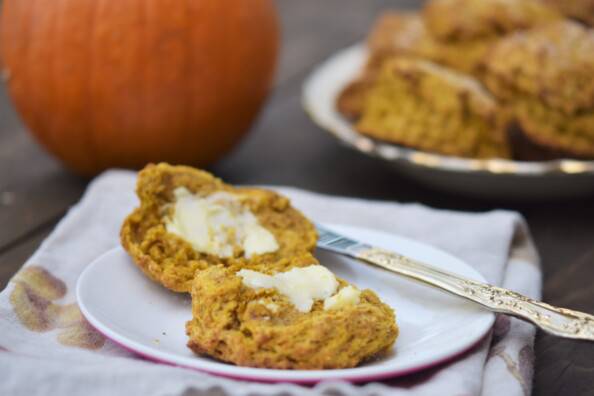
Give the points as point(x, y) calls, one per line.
point(494, 178)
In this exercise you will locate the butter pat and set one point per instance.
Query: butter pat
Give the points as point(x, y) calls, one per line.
point(302, 286)
point(258, 240)
point(272, 307)
point(218, 224)
point(346, 296)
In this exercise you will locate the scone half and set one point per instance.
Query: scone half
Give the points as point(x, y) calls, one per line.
point(189, 220)
point(236, 321)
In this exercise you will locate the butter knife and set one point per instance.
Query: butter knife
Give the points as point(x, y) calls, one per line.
point(561, 322)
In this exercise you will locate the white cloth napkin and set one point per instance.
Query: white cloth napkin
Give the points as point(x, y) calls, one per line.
point(46, 347)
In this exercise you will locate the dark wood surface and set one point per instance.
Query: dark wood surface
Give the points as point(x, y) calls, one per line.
point(284, 147)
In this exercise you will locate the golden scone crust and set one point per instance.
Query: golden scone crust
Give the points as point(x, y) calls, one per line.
point(545, 77)
point(480, 19)
point(234, 323)
point(582, 10)
point(404, 34)
point(172, 261)
point(422, 105)
point(553, 62)
point(351, 99)
point(568, 136)
point(464, 30)
point(392, 34)
point(397, 33)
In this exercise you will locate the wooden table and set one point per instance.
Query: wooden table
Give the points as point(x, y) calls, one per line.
point(35, 191)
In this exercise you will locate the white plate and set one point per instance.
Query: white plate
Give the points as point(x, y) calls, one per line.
point(124, 305)
point(494, 178)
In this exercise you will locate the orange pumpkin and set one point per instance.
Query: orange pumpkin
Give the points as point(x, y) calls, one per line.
point(106, 83)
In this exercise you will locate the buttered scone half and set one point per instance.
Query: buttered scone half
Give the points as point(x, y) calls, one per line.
point(302, 318)
point(189, 220)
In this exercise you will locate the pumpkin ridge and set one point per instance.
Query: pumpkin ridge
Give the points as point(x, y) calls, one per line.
point(26, 82)
point(90, 134)
point(53, 100)
point(186, 72)
point(145, 67)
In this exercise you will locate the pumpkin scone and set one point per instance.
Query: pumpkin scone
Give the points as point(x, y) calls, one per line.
point(545, 78)
point(401, 34)
point(454, 33)
point(466, 29)
point(582, 10)
point(474, 19)
point(189, 220)
point(422, 105)
point(351, 99)
point(304, 318)
point(393, 34)
point(397, 34)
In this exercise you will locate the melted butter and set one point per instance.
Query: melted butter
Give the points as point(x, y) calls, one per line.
point(271, 306)
point(218, 224)
point(302, 286)
point(346, 296)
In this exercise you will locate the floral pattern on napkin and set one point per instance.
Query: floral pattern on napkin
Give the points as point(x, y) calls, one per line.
point(33, 297)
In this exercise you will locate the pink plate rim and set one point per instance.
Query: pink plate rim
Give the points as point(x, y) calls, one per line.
point(355, 379)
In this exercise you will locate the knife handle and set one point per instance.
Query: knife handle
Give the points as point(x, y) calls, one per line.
point(561, 322)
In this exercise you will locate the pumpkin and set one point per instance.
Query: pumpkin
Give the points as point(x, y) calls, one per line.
point(119, 83)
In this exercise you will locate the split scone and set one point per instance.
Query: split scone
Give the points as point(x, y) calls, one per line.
point(304, 318)
point(189, 220)
point(425, 106)
point(545, 76)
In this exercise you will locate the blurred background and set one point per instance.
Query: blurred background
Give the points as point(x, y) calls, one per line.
point(283, 147)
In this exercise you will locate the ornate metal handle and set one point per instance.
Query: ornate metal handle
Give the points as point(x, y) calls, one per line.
point(561, 322)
